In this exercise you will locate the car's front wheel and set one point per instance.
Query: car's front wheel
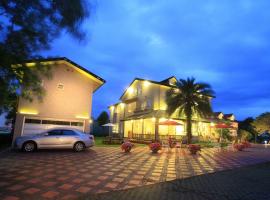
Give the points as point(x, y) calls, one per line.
point(79, 146)
point(29, 146)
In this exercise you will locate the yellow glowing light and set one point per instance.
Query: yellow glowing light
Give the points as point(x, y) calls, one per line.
point(122, 105)
point(153, 119)
point(28, 112)
point(90, 121)
point(112, 107)
point(146, 83)
point(82, 117)
point(162, 119)
point(130, 90)
point(212, 124)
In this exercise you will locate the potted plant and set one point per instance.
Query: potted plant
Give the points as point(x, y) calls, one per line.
point(155, 147)
point(239, 147)
point(127, 146)
point(171, 143)
point(194, 148)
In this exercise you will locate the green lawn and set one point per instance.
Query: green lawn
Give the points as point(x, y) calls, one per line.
point(209, 144)
point(98, 143)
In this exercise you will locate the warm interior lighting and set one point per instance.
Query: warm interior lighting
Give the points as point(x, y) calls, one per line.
point(28, 112)
point(90, 121)
point(212, 124)
point(153, 119)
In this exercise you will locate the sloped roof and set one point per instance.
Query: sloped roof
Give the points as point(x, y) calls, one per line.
point(151, 81)
point(228, 115)
point(69, 61)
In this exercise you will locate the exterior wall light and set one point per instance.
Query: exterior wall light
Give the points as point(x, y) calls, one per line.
point(146, 83)
point(130, 90)
point(122, 105)
point(28, 112)
point(82, 117)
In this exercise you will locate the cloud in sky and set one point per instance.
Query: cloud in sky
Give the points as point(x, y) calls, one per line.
point(225, 43)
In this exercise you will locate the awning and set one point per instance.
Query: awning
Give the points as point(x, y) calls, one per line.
point(170, 123)
point(222, 126)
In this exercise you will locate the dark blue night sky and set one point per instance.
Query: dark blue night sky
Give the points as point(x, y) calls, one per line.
point(224, 43)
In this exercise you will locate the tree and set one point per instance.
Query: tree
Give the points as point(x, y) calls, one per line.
point(262, 122)
point(248, 126)
point(103, 118)
point(244, 135)
point(189, 98)
point(26, 28)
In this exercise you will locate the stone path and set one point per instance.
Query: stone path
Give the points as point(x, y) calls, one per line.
point(68, 175)
point(245, 183)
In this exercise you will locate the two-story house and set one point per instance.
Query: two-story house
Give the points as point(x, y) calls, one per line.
point(141, 113)
point(67, 101)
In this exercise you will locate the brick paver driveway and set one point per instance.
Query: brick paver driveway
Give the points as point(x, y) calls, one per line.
point(67, 175)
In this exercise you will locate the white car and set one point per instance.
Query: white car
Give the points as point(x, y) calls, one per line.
point(55, 139)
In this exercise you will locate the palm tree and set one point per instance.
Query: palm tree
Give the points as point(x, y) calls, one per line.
point(189, 98)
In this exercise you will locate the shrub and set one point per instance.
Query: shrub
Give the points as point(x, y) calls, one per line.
point(127, 146)
point(155, 147)
point(239, 146)
point(193, 148)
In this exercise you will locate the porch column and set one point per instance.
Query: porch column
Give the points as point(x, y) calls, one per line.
point(156, 129)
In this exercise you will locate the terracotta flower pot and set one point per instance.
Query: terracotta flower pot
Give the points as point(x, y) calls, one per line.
point(193, 151)
point(127, 150)
point(154, 150)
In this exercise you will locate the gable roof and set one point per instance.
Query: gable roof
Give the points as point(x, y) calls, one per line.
point(164, 82)
point(167, 79)
point(228, 115)
point(151, 81)
point(79, 67)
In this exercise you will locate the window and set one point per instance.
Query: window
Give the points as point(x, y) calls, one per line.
point(55, 132)
point(68, 132)
point(62, 123)
point(149, 103)
point(76, 124)
point(139, 90)
point(48, 122)
point(66, 123)
point(32, 121)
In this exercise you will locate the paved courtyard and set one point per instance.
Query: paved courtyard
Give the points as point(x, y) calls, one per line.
point(69, 175)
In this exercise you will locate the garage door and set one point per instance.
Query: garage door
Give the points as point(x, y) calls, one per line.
point(36, 126)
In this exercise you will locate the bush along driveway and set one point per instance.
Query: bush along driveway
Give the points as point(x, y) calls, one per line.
point(69, 175)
